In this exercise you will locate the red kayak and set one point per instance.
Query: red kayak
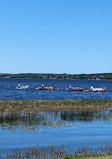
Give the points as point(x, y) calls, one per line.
point(49, 88)
point(46, 88)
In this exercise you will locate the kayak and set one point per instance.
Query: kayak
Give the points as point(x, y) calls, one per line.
point(97, 89)
point(22, 87)
point(45, 88)
point(75, 89)
point(49, 88)
point(40, 88)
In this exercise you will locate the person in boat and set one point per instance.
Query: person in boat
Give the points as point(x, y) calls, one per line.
point(19, 86)
point(83, 87)
point(70, 88)
point(91, 88)
point(42, 86)
point(54, 87)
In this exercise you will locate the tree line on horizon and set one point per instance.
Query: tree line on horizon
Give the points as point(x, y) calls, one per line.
point(97, 76)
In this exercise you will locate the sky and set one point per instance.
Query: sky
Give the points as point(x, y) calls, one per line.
point(56, 36)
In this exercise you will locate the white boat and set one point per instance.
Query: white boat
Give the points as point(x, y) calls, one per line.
point(97, 89)
point(22, 87)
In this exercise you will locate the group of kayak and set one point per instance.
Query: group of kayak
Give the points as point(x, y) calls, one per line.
point(67, 89)
point(39, 88)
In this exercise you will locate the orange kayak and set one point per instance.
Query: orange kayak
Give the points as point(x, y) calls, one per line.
point(97, 90)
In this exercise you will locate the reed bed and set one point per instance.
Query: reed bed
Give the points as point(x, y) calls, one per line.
point(34, 106)
point(15, 121)
point(51, 152)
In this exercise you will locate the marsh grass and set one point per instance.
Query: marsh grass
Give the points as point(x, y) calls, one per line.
point(15, 121)
point(35, 152)
point(34, 122)
point(70, 110)
point(49, 152)
point(33, 106)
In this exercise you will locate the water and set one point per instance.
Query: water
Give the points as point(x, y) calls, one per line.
point(8, 91)
point(71, 129)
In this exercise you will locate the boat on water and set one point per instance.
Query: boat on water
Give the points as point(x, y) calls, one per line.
point(46, 88)
point(75, 88)
point(97, 89)
point(22, 87)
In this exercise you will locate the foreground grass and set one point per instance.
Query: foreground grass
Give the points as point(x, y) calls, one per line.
point(94, 156)
point(54, 152)
point(33, 106)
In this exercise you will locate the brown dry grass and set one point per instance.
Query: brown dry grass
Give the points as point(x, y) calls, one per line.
point(34, 106)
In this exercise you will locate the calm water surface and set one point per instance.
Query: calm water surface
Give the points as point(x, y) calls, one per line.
point(8, 91)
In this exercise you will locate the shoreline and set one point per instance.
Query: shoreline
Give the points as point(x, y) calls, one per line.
point(89, 79)
point(93, 76)
point(56, 105)
point(59, 152)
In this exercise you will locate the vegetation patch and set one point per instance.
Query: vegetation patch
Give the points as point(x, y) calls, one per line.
point(33, 122)
point(96, 76)
point(55, 152)
point(34, 106)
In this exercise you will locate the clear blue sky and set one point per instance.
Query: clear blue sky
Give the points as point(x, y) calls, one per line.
point(55, 36)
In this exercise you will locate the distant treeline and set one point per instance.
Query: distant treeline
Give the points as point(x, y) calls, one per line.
point(99, 76)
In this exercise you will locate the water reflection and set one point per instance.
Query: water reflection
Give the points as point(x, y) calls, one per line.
point(34, 122)
point(86, 116)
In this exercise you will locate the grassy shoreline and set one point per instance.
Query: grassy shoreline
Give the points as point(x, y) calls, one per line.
point(34, 106)
point(92, 156)
point(58, 152)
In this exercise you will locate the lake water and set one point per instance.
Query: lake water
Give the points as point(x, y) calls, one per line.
point(71, 129)
point(8, 91)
